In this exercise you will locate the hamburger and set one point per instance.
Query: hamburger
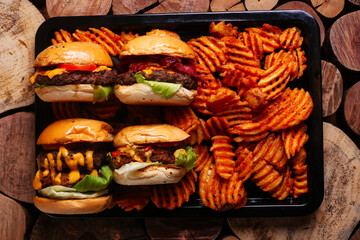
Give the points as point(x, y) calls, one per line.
point(73, 173)
point(157, 70)
point(151, 154)
point(73, 71)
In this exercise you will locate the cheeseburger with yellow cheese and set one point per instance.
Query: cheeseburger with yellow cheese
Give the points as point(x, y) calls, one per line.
point(73, 176)
point(74, 71)
point(158, 70)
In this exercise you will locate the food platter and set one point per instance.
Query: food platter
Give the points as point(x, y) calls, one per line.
point(193, 25)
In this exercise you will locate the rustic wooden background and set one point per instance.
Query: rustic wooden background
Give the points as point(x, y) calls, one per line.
point(337, 218)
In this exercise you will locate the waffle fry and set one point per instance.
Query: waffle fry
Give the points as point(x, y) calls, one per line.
point(285, 188)
point(198, 135)
point(170, 196)
point(238, 52)
point(235, 115)
point(200, 100)
point(291, 38)
point(272, 150)
point(269, 35)
point(220, 194)
point(182, 117)
point(244, 162)
point(249, 131)
point(301, 59)
point(61, 37)
point(203, 157)
point(205, 78)
point(132, 197)
point(256, 99)
point(266, 176)
point(223, 155)
point(209, 51)
point(291, 108)
point(222, 99)
point(294, 138)
point(221, 29)
point(216, 126)
point(300, 173)
point(250, 70)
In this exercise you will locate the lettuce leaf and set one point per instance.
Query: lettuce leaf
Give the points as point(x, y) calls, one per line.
point(61, 192)
point(95, 183)
point(165, 89)
point(102, 92)
point(187, 160)
point(36, 85)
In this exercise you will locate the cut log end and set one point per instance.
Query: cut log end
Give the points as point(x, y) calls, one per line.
point(259, 5)
point(328, 8)
point(57, 8)
point(352, 108)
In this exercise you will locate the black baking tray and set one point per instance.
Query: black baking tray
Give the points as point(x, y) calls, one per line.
point(193, 25)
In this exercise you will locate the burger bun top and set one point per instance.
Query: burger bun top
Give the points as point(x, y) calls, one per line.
point(80, 53)
point(157, 45)
point(149, 134)
point(76, 130)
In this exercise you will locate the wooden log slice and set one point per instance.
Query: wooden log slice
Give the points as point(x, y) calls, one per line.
point(131, 6)
point(328, 8)
point(176, 6)
point(344, 37)
point(352, 108)
point(183, 228)
point(356, 2)
point(19, 21)
point(56, 8)
point(332, 88)
point(87, 228)
point(15, 219)
point(259, 5)
point(17, 156)
point(339, 212)
point(231, 5)
point(297, 5)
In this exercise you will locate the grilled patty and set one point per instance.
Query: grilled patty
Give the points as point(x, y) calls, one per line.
point(187, 81)
point(79, 77)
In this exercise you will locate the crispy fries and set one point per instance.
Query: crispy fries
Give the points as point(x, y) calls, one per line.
point(221, 29)
point(223, 155)
point(300, 173)
point(182, 117)
point(291, 38)
point(132, 197)
point(203, 157)
point(266, 176)
point(294, 138)
point(244, 162)
point(216, 126)
point(285, 188)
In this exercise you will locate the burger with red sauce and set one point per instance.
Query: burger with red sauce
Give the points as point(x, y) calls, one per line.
point(73, 173)
point(74, 71)
point(151, 154)
point(158, 70)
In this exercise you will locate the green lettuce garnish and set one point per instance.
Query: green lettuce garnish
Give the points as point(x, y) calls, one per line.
point(166, 90)
point(95, 183)
point(36, 85)
point(102, 92)
point(187, 160)
point(61, 192)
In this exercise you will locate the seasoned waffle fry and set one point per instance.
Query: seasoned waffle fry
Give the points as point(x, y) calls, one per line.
point(170, 196)
point(221, 29)
point(235, 115)
point(301, 59)
point(249, 70)
point(244, 162)
point(216, 126)
point(300, 173)
point(132, 197)
point(198, 135)
point(291, 38)
point(61, 37)
point(269, 36)
point(294, 138)
point(223, 155)
point(203, 157)
point(205, 78)
point(209, 52)
point(266, 176)
point(200, 100)
point(256, 99)
point(272, 150)
point(238, 52)
point(291, 108)
point(224, 98)
point(220, 194)
point(182, 117)
point(249, 131)
point(285, 188)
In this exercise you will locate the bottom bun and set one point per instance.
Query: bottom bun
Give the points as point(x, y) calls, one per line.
point(140, 93)
point(151, 175)
point(74, 92)
point(72, 206)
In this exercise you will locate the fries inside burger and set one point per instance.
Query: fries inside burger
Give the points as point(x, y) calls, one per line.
point(73, 71)
point(151, 154)
point(158, 70)
point(73, 173)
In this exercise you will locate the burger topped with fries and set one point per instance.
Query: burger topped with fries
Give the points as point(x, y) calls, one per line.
point(158, 70)
point(73, 71)
point(151, 154)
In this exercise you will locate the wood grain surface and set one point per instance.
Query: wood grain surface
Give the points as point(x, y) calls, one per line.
point(17, 156)
point(19, 20)
point(339, 212)
point(183, 228)
point(231, 5)
point(131, 6)
point(297, 5)
point(332, 88)
point(50, 228)
point(259, 5)
point(345, 40)
point(56, 8)
point(15, 219)
point(328, 8)
point(352, 108)
point(176, 6)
